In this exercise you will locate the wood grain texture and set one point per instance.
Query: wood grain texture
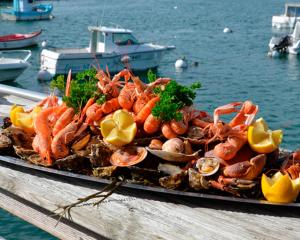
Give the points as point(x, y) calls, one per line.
point(42, 218)
point(139, 215)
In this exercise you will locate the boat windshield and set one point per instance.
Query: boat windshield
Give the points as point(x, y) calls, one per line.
point(293, 11)
point(122, 39)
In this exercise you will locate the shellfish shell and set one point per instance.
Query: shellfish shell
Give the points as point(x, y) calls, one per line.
point(128, 156)
point(214, 161)
point(173, 157)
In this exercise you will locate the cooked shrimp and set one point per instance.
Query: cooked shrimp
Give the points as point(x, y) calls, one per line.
point(110, 106)
point(167, 131)
point(94, 113)
point(65, 136)
point(146, 110)
point(63, 120)
point(127, 96)
point(151, 124)
point(181, 126)
point(43, 131)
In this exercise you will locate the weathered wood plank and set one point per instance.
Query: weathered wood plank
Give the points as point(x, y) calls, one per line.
point(43, 219)
point(133, 215)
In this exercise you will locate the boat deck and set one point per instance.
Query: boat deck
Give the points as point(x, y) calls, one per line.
point(129, 214)
point(71, 50)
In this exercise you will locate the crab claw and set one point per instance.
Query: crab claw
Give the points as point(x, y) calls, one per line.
point(246, 170)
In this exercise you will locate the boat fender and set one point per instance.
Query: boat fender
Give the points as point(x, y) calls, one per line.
point(181, 63)
point(44, 75)
point(44, 43)
point(125, 59)
point(227, 30)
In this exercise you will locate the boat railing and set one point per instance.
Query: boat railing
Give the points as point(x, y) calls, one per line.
point(16, 53)
point(24, 93)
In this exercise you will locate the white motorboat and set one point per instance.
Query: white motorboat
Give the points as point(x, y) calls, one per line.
point(287, 44)
point(115, 48)
point(289, 18)
point(12, 67)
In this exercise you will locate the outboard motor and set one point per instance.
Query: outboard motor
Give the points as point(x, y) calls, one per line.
point(283, 44)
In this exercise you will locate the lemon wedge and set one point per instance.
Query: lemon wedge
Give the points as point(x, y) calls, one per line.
point(118, 129)
point(261, 139)
point(280, 188)
point(22, 119)
point(13, 114)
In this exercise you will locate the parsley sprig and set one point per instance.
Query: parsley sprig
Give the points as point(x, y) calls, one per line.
point(172, 99)
point(83, 87)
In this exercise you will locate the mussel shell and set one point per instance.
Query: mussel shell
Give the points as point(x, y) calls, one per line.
point(128, 156)
point(173, 157)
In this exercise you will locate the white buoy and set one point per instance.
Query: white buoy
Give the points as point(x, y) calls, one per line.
point(181, 63)
point(44, 75)
point(175, 7)
point(44, 43)
point(126, 59)
point(227, 30)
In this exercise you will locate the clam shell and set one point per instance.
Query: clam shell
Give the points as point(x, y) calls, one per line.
point(202, 160)
point(128, 156)
point(173, 157)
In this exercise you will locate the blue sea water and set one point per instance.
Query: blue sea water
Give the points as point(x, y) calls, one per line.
point(232, 67)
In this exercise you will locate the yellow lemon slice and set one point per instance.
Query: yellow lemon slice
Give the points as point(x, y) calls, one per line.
point(261, 139)
point(22, 119)
point(280, 188)
point(120, 129)
point(13, 114)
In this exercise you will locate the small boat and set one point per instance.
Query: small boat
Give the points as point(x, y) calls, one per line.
point(289, 18)
point(19, 40)
point(115, 48)
point(12, 67)
point(287, 44)
point(26, 10)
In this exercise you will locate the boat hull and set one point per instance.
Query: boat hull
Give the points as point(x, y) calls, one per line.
point(15, 44)
point(62, 63)
point(284, 21)
point(11, 74)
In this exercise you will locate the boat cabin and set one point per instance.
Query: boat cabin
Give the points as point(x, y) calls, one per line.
point(23, 5)
point(104, 39)
point(292, 9)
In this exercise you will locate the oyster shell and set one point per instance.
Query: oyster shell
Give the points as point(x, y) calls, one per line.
point(100, 154)
point(173, 181)
point(103, 172)
point(24, 153)
point(128, 156)
point(19, 137)
point(173, 157)
point(71, 163)
point(169, 169)
point(196, 180)
point(5, 141)
point(37, 160)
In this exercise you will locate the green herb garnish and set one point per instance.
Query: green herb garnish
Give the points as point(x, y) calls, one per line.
point(83, 87)
point(151, 76)
point(172, 99)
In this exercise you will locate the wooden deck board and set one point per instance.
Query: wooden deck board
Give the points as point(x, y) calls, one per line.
point(138, 215)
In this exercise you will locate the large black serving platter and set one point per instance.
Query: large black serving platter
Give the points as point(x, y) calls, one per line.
point(12, 161)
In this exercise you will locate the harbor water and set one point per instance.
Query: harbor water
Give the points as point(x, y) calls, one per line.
point(231, 66)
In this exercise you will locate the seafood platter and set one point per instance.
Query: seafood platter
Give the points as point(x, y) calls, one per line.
point(151, 137)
